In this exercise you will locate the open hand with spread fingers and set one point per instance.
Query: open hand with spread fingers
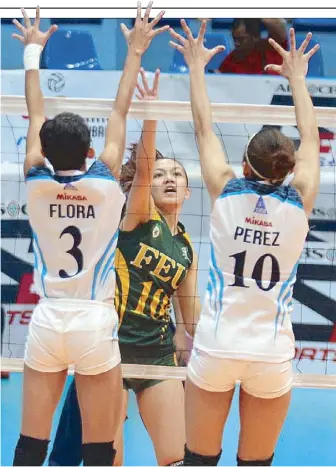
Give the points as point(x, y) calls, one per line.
point(145, 93)
point(140, 37)
point(31, 33)
point(191, 48)
point(295, 61)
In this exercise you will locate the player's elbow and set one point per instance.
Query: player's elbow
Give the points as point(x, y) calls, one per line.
point(143, 174)
point(205, 137)
point(119, 112)
point(203, 129)
point(312, 139)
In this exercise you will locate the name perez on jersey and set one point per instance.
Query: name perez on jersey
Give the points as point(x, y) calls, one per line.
point(257, 237)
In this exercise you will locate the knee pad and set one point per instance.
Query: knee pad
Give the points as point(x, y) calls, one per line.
point(192, 458)
point(98, 454)
point(256, 462)
point(30, 451)
point(180, 462)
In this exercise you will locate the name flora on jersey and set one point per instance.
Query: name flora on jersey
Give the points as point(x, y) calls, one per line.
point(70, 211)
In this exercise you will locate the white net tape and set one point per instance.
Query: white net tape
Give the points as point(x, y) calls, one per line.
point(166, 372)
point(169, 110)
point(314, 314)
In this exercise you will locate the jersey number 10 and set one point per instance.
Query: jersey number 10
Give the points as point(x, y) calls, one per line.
point(257, 271)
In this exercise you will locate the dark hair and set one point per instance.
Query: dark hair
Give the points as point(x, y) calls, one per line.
point(128, 169)
point(252, 25)
point(65, 141)
point(271, 154)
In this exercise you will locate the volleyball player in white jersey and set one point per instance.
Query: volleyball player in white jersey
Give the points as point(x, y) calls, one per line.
point(74, 214)
point(258, 229)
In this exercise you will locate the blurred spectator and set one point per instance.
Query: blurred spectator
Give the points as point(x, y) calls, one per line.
point(252, 52)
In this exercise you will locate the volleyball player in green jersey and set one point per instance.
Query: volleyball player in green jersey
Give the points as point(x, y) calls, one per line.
point(154, 262)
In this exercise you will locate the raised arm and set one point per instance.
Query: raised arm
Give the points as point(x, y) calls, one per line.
point(140, 202)
point(276, 28)
point(138, 40)
point(307, 167)
point(34, 41)
point(189, 300)
point(215, 169)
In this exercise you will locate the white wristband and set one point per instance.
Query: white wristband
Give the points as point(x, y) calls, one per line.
point(31, 56)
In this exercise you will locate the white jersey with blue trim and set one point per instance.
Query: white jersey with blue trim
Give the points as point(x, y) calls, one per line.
point(75, 225)
point(257, 234)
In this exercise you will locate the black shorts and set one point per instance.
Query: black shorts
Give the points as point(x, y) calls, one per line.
point(138, 385)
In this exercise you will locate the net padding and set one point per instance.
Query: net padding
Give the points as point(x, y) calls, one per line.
point(170, 110)
point(225, 116)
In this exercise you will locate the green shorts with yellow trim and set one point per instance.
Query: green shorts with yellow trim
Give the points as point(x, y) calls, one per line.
point(138, 385)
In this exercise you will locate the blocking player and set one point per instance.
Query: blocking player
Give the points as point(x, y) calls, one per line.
point(258, 229)
point(154, 262)
point(74, 213)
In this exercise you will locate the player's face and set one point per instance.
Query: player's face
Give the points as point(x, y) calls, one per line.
point(169, 186)
point(241, 37)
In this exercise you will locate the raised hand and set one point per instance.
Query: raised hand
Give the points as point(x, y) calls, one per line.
point(31, 33)
point(140, 37)
point(192, 49)
point(295, 61)
point(145, 93)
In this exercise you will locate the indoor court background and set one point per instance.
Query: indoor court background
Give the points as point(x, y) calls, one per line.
point(309, 435)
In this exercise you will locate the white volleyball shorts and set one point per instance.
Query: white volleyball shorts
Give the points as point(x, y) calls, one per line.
point(266, 380)
point(75, 332)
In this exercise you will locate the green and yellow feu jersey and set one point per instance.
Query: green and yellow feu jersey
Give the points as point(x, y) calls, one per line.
point(151, 263)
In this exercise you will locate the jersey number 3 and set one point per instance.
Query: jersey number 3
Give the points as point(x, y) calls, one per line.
point(75, 252)
point(257, 271)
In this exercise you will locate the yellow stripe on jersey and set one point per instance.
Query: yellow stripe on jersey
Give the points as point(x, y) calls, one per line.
point(117, 300)
point(155, 216)
point(123, 274)
point(186, 236)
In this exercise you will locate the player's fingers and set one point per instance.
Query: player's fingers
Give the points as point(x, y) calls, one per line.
point(141, 90)
point(275, 68)
point(147, 12)
point(37, 17)
point(157, 19)
point(156, 81)
point(144, 80)
point(186, 29)
point(19, 26)
point(51, 30)
point(305, 43)
point(177, 36)
point(277, 47)
point(158, 31)
point(202, 31)
point(17, 36)
point(176, 46)
point(217, 50)
point(138, 16)
point(26, 18)
point(139, 97)
point(312, 51)
point(292, 40)
point(124, 29)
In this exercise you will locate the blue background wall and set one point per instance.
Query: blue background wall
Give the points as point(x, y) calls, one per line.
point(110, 45)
